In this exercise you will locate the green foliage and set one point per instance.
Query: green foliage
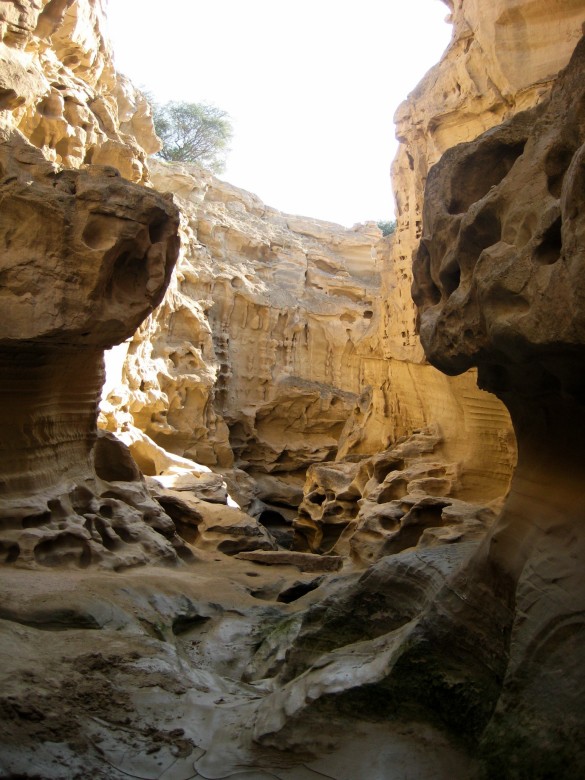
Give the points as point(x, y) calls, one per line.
point(387, 228)
point(193, 132)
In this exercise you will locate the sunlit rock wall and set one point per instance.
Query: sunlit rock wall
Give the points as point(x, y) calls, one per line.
point(261, 347)
point(58, 86)
point(86, 256)
point(502, 59)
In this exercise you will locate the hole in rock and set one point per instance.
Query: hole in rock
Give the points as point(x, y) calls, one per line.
point(34, 521)
point(368, 315)
point(414, 524)
point(57, 509)
point(109, 538)
point(450, 278)
point(186, 520)
point(63, 550)
point(494, 378)
point(182, 624)
point(391, 522)
point(483, 232)
point(331, 534)
point(129, 276)
point(113, 462)
point(233, 546)
point(97, 233)
point(281, 531)
point(10, 99)
point(424, 290)
point(550, 247)
point(477, 173)
point(156, 231)
point(383, 468)
point(556, 163)
point(9, 552)
point(298, 590)
point(82, 500)
point(316, 498)
point(271, 519)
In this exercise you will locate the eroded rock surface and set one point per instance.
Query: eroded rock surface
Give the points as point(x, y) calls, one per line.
point(86, 256)
point(499, 284)
point(399, 499)
point(58, 86)
point(258, 352)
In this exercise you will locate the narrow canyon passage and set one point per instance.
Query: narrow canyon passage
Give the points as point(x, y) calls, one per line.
point(281, 498)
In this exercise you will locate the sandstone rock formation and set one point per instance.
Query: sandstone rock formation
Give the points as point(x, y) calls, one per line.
point(86, 256)
point(396, 500)
point(58, 86)
point(498, 282)
point(259, 352)
point(395, 620)
point(502, 59)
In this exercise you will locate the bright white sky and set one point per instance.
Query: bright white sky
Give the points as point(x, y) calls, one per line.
point(311, 87)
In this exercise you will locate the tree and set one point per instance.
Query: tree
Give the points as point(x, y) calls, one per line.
point(387, 228)
point(193, 132)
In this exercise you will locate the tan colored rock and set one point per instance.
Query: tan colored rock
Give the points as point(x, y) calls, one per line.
point(502, 59)
point(212, 526)
point(260, 348)
point(396, 500)
point(86, 256)
point(58, 86)
point(499, 285)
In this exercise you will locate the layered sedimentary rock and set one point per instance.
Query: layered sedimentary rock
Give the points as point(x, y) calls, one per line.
point(58, 86)
point(501, 60)
point(499, 285)
point(260, 350)
point(86, 256)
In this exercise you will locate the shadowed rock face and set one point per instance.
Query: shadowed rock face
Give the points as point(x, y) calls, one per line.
point(85, 257)
point(500, 284)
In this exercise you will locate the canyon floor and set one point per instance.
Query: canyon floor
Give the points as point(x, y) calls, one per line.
point(178, 673)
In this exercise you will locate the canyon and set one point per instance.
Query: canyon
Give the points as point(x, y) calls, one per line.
point(318, 511)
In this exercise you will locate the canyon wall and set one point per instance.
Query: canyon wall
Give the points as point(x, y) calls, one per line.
point(259, 351)
point(86, 255)
point(284, 342)
point(498, 282)
point(501, 60)
point(276, 348)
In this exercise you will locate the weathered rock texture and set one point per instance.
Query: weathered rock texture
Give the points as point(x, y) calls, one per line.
point(502, 59)
point(86, 256)
point(265, 355)
point(499, 285)
point(58, 86)
point(395, 500)
point(260, 350)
